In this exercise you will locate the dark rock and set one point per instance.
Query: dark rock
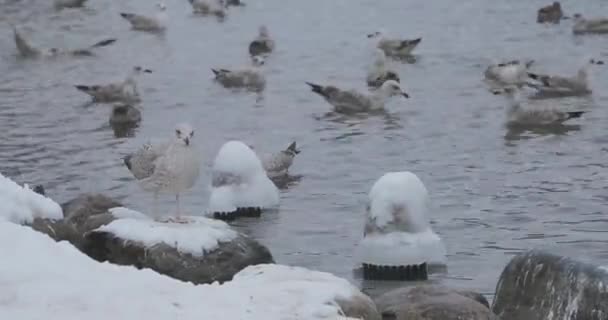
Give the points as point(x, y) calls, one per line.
point(540, 285)
point(39, 189)
point(59, 230)
point(250, 212)
point(220, 264)
point(432, 302)
point(395, 273)
point(78, 210)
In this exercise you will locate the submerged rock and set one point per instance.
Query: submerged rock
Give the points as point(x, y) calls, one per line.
point(540, 285)
point(201, 250)
point(432, 302)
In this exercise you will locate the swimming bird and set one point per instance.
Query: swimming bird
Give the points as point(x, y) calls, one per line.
point(393, 47)
point(123, 114)
point(61, 4)
point(595, 25)
point(233, 3)
point(26, 50)
point(508, 73)
point(172, 167)
point(377, 73)
point(124, 91)
point(205, 7)
point(563, 86)
point(351, 101)
point(250, 78)
point(550, 14)
point(146, 23)
point(262, 45)
point(278, 164)
point(517, 115)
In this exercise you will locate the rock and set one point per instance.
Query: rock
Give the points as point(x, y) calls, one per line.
point(432, 302)
point(359, 306)
point(540, 285)
point(59, 230)
point(219, 264)
point(78, 210)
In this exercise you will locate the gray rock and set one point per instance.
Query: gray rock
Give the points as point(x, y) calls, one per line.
point(359, 306)
point(59, 230)
point(78, 210)
point(432, 302)
point(219, 265)
point(540, 285)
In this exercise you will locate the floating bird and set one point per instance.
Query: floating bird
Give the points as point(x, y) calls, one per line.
point(124, 91)
point(564, 86)
point(149, 24)
point(351, 101)
point(550, 14)
point(378, 73)
point(278, 164)
point(595, 25)
point(249, 78)
point(205, 7)
point(172, 168)
point(26, 50)
point(262, 45)
point(61, 4)
point(517, 115)
point(395, 47)
point(508, 73)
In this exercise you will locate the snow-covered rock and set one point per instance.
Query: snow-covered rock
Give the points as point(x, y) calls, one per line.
point(202, 250)
point(397, 231)
point(44, 279)
point(22, 205)
point(240, 181)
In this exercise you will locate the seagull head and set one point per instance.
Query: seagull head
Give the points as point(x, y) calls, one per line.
point(184, 133)
point(392, 88)
point(257, 60)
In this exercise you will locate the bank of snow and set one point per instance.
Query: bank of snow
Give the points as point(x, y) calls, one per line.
point(240, 181)
point(22, 205)
point(397, 231)
point(43, 279)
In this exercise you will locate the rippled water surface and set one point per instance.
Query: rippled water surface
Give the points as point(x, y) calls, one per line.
point(494, 192)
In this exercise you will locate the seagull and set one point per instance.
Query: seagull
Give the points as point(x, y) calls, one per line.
point(249, 78)
point(550, 14)
point(395, 47)
point(172, 167)
point(149, 24)
point(595, 25)
point(517, 115)
point(205, 7)
point(60, 4)
point(262, 45)
point(234, 3)
point(26, 50)
point(278, 164)
point(350, 101)
point(563, 86)
point(124, 91)
point(377, 73)
point(508, 73)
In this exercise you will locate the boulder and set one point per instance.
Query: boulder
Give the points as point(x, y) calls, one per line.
point(540, 285)
point(142, 246)
point(433, 302)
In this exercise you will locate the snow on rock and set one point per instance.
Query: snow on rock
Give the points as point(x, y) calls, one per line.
point(240, 181)
point(43, 279)
point(397, 231)
point(22, 205)
point(124, 213)
point(198, 236)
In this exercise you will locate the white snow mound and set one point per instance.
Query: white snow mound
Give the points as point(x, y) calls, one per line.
point(22, 205)
point(240, 181)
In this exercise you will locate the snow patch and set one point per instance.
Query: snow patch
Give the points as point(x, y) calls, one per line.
point(397, 229)
point(240, 181)
point(45, 278)
point(197, 237)
point(22, 205)
point(124, 213)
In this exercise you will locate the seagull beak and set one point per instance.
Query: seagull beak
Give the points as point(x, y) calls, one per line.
point(187, 141)
point(405, 94)
point(371, 35)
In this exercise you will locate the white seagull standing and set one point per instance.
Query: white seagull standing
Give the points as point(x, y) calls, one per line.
point(170, 168)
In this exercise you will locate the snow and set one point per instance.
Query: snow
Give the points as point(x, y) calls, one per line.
point(21, 204)
point(197, 237)
point(400, 233)
point(249, 185)
point(124, 213)
point(44, 279)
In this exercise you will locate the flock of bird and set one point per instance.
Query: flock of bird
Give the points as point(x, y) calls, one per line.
point(174, 167)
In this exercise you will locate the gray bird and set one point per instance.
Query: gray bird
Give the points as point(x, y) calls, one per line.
point(61, 4)
point(262, 45)
point(278, 164)
point(26, 50)
point(589, 26)
point(565, 86)
point(124, 91)
point(250, 78)
point(145, 23)
point(205, 7)
point(550, 14)
point(395, 47)
point(351, 101)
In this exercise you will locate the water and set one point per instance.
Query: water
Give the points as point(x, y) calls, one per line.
point(494, 192)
